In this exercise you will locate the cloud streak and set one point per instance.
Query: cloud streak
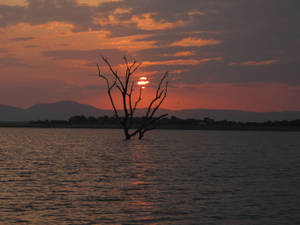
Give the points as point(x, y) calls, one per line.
point(194, 42)
point(22, 39)
point(255, 63)
point(192, 62)
point(146, 22)
point(12, 62)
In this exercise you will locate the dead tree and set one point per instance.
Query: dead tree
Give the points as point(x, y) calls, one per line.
point(126, 88)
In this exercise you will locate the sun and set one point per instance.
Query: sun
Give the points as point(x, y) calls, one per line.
point(143, 81)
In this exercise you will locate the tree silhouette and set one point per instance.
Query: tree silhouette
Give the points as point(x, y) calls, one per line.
point(126, 88)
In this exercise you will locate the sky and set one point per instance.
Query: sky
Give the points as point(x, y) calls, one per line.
point(220, 54)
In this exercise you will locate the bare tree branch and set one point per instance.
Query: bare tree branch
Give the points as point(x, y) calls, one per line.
point(138, 100)
point(109, 88)
point(126, 90)
point(158, 95)
point(113, 72)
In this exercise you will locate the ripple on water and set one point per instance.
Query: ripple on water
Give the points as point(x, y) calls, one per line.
point(87, 176)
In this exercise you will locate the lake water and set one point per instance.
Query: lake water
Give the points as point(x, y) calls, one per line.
point(92, 176)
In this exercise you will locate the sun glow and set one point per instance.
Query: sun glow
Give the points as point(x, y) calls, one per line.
point(143, 81)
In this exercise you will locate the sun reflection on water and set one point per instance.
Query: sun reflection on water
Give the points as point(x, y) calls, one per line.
point(142, 198)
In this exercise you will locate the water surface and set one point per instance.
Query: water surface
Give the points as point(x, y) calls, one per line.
point(92, 176)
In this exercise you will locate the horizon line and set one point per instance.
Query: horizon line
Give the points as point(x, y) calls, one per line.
point(215, 109)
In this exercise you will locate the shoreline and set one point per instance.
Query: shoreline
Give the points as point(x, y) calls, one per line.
point(159, 127)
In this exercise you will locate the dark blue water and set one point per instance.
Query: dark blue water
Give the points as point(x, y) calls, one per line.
point(86, 176)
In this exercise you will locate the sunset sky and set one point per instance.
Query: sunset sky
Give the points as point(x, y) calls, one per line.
point(220, 54)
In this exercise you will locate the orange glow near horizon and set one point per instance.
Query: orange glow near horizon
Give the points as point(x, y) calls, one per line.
point(213, 96)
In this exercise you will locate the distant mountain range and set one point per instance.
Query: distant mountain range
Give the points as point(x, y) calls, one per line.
point(51, 111)
point(65, 109)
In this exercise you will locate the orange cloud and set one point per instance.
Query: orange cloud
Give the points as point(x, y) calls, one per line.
point(194, 42)
point(143, 22)
point(255, 63)
point(179, 54)
point(260, 63)
point(131, 43)
point(95, 2)
point(178, 71)
point(14, 2)
point(192, 62)
point(146, 22)
point(59, 36)
point(196, 13)
point(122, 11)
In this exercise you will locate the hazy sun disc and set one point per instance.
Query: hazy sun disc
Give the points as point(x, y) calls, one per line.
point(143, 81)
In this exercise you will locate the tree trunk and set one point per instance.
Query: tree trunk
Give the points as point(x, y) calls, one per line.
point(126, 133)
point(141, 135)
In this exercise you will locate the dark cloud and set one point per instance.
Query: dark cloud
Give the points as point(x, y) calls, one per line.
point(114, 55)
point(22, 39)
point(168, 9)
point(220, 72)
point(11, 15)
point(40, 12)
point(12, 62)
point(249, 31)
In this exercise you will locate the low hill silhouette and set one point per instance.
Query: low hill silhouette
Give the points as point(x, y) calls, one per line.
point(63, 110)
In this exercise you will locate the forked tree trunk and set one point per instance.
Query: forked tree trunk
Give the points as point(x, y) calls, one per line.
point(126, 88)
